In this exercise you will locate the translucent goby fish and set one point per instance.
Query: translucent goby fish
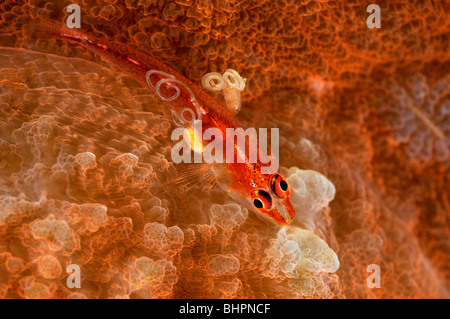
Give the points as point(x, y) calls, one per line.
point(266, 194)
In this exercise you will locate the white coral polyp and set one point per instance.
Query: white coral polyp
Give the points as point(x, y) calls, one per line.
point(310, 192)
point(316, 255)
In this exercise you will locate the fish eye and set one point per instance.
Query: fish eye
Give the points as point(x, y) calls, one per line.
point(258, 203)
point(279, 186)
point(261, 200)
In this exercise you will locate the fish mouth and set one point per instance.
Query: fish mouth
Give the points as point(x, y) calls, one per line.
point(283, 213)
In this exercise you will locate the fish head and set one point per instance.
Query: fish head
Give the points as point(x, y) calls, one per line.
point(266, 195)
point(273, 202)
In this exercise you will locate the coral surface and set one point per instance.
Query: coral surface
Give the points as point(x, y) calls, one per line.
point(86, 176)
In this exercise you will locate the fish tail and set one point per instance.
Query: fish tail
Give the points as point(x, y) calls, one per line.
point(47, 29)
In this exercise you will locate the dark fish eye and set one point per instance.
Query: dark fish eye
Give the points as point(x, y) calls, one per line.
point(279, 186)
point(261, 200)
point(258, 203)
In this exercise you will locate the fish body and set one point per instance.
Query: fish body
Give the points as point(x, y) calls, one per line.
point(265, 194)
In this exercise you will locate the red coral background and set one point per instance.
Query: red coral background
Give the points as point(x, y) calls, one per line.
point(86, 175)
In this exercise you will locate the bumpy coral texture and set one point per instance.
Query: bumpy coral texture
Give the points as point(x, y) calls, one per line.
point(86, 176)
